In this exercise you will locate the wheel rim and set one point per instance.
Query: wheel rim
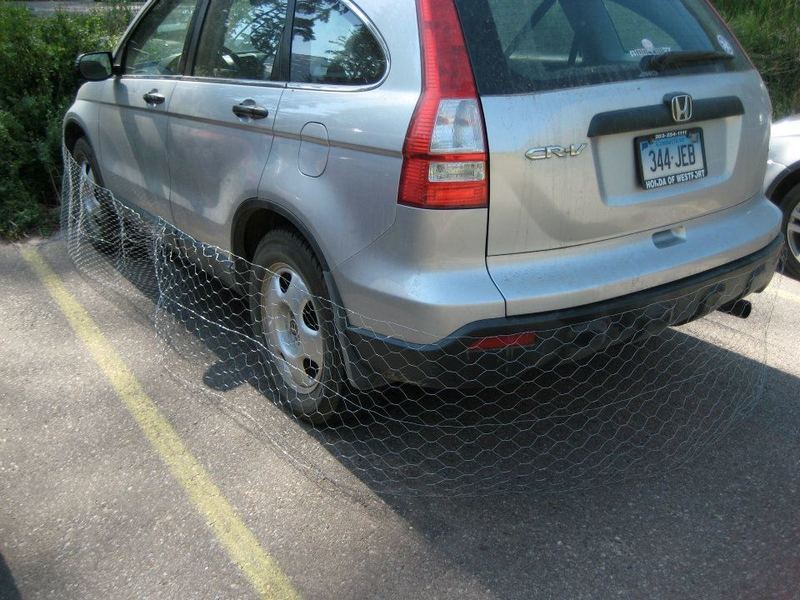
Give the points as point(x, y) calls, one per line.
point(793, 232)
point(91, 216)
point(88, 188)
point(292, 328)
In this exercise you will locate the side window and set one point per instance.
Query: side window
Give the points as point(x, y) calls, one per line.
point(241, 39)
point(156, 46)
point(332, 45)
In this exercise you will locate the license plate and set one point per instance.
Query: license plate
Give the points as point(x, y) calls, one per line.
point(670, 158)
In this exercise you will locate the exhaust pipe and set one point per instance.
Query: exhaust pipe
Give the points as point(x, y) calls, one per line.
point(740, 308)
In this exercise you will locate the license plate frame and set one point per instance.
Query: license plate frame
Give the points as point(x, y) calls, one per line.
point(669, 139)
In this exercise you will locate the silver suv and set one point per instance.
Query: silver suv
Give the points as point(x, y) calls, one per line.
point(449, 170)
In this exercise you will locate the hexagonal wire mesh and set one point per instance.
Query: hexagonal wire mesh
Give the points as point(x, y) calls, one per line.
point(584, 401)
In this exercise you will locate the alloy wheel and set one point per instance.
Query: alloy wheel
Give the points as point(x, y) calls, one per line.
point(292, 328)
point(92, 214)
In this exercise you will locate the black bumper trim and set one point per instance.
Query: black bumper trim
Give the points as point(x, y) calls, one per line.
point(449, 362)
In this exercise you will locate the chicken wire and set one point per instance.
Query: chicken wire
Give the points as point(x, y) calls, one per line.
point(586, 401)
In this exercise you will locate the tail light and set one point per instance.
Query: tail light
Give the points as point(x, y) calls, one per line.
point(445, 163)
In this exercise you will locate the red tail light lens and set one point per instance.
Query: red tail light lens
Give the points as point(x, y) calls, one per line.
point(445, 164)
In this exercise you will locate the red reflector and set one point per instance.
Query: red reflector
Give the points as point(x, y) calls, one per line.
point(499, 342)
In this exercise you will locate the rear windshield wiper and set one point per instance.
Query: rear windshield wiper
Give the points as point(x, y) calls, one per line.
point(672, 60)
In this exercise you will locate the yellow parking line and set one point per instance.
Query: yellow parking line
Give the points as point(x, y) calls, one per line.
point(240, 543)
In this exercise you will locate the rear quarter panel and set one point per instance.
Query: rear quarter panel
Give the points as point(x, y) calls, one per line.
point(354, 200)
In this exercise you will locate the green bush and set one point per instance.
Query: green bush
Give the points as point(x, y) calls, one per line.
point(37, 84)
point(770, 32)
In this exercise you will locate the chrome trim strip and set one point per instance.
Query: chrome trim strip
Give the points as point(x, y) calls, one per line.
point(146, 77)
point(232, 81)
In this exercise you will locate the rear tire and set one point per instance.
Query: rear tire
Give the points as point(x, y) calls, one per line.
point(791, 229)
point(95, 212)
point(293, 320)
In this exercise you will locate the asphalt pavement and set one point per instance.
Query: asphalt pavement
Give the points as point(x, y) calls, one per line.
point(119, 480)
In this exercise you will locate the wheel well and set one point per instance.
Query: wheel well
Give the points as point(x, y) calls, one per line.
point(72, 133)
point(786, 185)
point(254, 222)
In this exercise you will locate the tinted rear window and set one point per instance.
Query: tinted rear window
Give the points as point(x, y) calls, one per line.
point(520, 46)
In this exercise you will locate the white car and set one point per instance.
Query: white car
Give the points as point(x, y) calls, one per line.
point(783, 184)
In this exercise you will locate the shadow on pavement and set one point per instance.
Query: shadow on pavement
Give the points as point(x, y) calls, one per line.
point(724, 524)
point(8, 588)
point(600, 421)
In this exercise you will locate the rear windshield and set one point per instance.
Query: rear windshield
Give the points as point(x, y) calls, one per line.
point(519, 46)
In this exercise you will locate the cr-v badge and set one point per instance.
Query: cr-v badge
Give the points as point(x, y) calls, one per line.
point(545, 152)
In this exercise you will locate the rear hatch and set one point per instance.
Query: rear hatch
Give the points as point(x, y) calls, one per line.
point(611, 117)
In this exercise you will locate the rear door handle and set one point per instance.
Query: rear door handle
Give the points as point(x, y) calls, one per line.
point(248, 109)
point(154, 98)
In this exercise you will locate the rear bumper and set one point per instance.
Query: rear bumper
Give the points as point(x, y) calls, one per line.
point(561, 335)
point(571, 277)
point(429, 275)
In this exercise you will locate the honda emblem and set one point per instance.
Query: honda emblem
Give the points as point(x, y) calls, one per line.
point(682, 108)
